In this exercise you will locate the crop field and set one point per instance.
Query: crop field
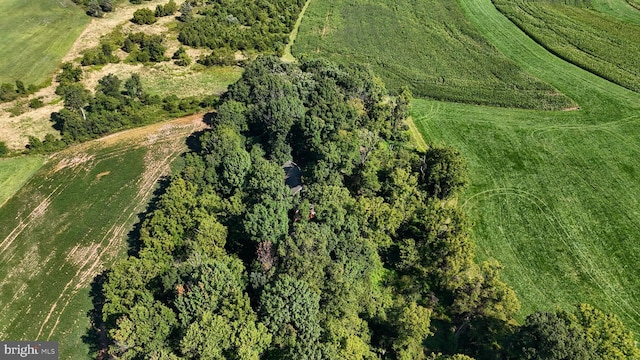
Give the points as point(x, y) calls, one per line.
point(36, 35)
point(15, 172)
point(554, 195)
point(69, 220)
point(428, 45)
point(594, 41)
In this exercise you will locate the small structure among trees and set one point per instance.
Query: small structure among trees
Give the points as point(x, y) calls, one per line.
point(293, 176)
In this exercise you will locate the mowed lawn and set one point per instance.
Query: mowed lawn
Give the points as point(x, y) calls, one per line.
point(554, 196)
point(34, 36)
point(69, 222)
point(427, 45)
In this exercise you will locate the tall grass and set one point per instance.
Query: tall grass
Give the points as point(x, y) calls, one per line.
point(428, 45)
point(594, 41)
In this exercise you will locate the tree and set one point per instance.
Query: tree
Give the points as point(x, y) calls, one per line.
point(133, 86)
point(109, 85)
point(606, 334)
point(106, 5)
point(186, 12)
point(94, 9)
point(550, 336)
point(443, 172)
point(413, 328)
point(75, 98)
point(290, 310)
point(143, 17)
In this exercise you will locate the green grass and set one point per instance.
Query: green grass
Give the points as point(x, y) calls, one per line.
point(554, 195)
point(592, 40)
point(15, 172)
point(67, 223)
point(36, 34)
point(428, 45)
point(634, 3)
point(202, 81)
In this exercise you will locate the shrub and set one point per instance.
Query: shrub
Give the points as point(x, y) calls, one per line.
point(36, 103)
point(143, 17)
point(4, 149)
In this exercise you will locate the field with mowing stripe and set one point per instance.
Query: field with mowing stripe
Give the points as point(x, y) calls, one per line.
point(15, 172)
point(594, 41)
point(70, 220)
point(428, 45)
point(554, 195)
point(36, 35)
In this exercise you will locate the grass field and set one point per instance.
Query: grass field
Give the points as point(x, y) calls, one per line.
point(187, 82)
point(69, 220)
point(15, 172)
point(428, 45)
point(554, 195)
point(594, 41)
point(36, 35)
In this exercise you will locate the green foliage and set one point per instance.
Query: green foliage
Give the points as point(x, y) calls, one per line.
point(443, 172)
point(362, 261)
point(69, 74)
point(597, 42)
point(4, 149)
point(169, 8)
point(291, 311)
point(262, 26)
point(181, 58)
point(35, 28)
point(429, 46)
point(145, 48)
point(143, 17)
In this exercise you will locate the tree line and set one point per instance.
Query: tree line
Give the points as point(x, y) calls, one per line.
point(246, 25)
point(370, 260)
point(115, 105)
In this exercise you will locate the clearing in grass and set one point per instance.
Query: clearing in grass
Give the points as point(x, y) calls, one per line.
point(428, 45)
point(554, 195)
point(72, 217)
point(36, 35)
point(594, 41)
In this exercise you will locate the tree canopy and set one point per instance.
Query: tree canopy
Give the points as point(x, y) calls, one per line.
point(367, 261)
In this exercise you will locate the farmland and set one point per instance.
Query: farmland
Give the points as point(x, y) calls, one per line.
point(80, 207)
point(49, 27)
point(14, 172)
point(428, 45)
point(604, 49)
point(554, 195)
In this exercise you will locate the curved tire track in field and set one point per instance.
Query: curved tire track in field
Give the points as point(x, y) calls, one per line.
point(594, 94)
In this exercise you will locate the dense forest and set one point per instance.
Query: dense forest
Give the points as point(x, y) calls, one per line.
point(304, 225)
point(261, 26)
